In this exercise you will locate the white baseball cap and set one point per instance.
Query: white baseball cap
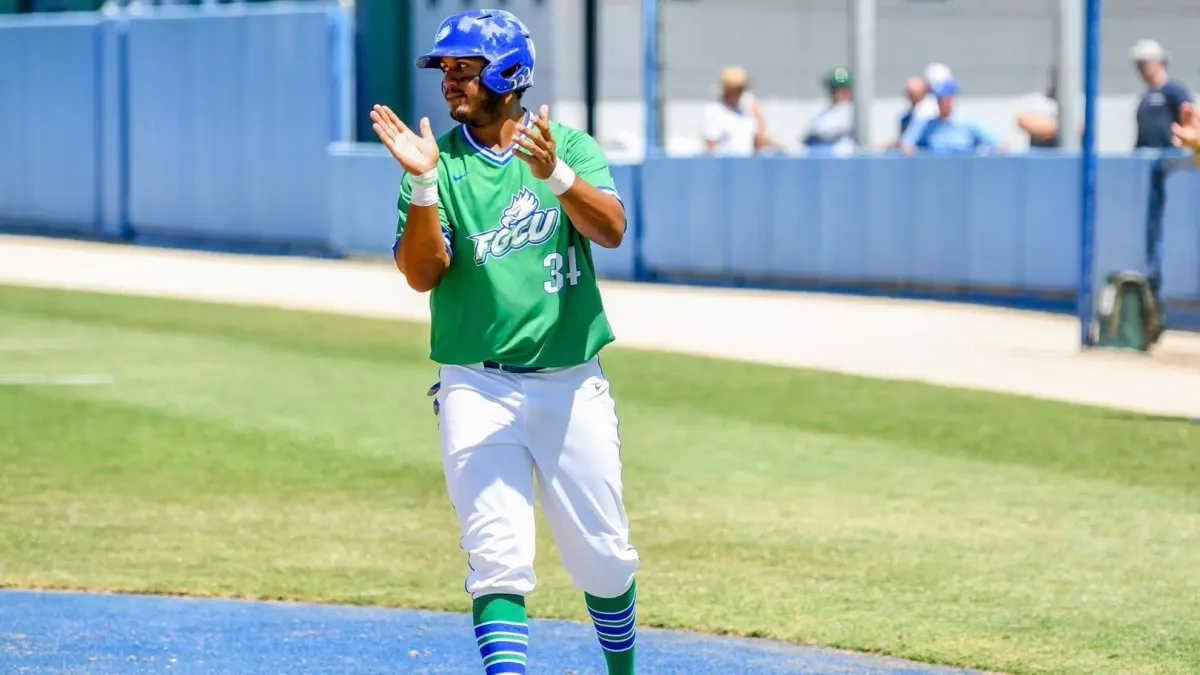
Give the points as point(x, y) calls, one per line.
point(936, 73)
point(1147, 50)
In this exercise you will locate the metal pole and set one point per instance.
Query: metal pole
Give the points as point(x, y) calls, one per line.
point(660, 66)
point(1070, 71)
point(591, 59)
point(651, 25)
point(1091, 86)
point(862, 66)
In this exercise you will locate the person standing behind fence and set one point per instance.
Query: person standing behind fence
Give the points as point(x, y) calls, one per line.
point(1161, 107)
point(1161, 103)
point(948, 132)
point(734, 124)
point(832, 130)
point(922, 102)
point(934, 75)
point(916, 89)
point(1040, 116)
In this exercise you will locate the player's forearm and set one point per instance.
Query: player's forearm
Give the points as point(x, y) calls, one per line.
point(597, 215)
point(422, 254)
point(1041, 128)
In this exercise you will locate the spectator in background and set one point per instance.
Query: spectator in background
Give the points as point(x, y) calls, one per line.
point(832, 130)
point(947, 132)
point(935, 74)
point(1161, 105)
point(1161, 108)
point(919, 89)
point(916, 89)
point(1040, 119)
point(734, 124)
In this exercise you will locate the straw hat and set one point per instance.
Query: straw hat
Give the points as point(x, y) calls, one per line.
point(734, 76)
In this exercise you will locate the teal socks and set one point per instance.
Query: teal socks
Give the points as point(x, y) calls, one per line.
point(614, 622)
point(502, 633)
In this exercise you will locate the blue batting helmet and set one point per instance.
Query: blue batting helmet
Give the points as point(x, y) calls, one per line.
point(495, 35)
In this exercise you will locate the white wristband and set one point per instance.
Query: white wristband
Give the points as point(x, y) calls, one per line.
point(561, 179)
point(424, 188)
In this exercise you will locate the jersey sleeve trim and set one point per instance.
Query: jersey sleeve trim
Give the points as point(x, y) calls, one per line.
point(612, 191)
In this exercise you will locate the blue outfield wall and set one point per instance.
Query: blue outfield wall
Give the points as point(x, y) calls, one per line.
point(230, 113)
point(1008, 225)
point(51, 163)
point(175, 123)
point(364, 183)
point(1181, 237)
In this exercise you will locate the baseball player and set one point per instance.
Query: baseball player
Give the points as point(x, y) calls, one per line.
point(497, 219)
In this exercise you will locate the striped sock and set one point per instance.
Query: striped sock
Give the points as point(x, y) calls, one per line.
point(502, 632)
point(614, 620)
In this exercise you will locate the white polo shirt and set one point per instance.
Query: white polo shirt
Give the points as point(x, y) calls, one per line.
point(732, 130)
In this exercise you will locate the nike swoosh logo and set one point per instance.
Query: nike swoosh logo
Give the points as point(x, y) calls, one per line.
point(459, 177)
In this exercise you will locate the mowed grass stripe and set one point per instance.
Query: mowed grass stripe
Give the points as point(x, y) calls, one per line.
point(1085, 441)
point(263, 453)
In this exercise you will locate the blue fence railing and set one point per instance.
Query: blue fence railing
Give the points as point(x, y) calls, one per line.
point(1008, 224)
point(226, 125)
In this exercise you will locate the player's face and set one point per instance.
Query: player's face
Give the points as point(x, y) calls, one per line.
point(470, 102)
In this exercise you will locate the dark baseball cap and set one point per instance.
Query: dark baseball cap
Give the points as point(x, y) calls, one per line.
point(838, 78)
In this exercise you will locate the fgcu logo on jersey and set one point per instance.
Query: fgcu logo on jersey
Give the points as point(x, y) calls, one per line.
point(521, 224)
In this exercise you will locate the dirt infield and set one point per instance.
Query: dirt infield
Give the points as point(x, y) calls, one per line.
point(948, 344)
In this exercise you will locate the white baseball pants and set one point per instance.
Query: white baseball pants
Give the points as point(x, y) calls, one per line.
point(498, 430)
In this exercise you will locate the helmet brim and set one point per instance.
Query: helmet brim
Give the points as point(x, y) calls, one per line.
point(431, 60)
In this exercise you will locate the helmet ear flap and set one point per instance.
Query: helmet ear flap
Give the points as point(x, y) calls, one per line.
point(508, 72)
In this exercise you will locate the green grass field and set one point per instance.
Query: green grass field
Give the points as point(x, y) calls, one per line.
point(261, 453)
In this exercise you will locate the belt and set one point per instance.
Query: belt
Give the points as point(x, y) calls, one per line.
point(515, 370)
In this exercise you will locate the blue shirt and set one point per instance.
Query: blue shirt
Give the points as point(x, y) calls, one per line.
point(952, 134)
point(1158, 109)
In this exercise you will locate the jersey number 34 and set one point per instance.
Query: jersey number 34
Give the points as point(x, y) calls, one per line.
point(554, 261)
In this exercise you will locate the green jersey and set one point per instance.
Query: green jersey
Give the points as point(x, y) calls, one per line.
point(521, 288)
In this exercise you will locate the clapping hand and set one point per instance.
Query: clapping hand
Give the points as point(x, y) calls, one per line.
point(417, 154)
point(538, 144)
